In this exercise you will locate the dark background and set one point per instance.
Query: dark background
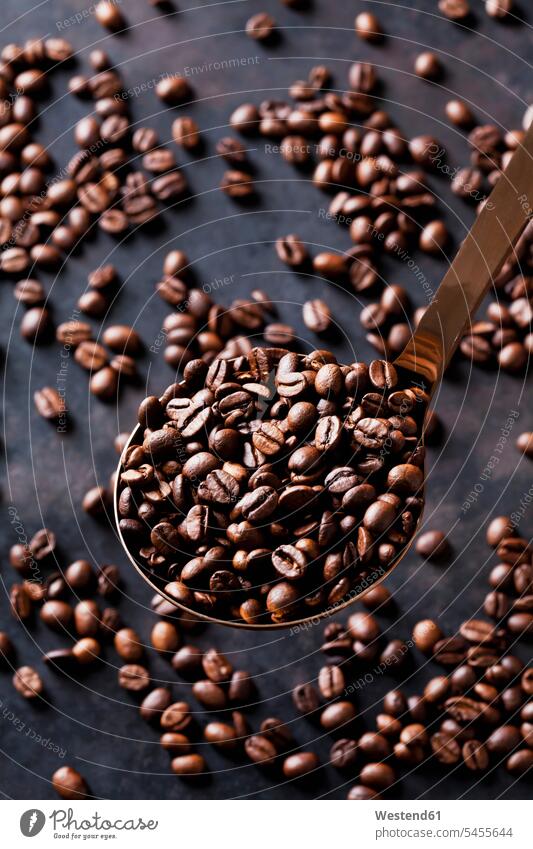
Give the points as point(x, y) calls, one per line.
point(93, 719)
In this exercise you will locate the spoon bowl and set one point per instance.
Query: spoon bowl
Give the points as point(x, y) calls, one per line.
point(360, 568)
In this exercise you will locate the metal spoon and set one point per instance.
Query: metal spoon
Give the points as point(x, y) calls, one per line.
point(425, 357)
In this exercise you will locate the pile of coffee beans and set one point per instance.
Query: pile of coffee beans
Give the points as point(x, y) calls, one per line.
point(275, 485)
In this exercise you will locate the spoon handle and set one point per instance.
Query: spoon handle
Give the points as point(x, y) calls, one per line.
point(478, 261)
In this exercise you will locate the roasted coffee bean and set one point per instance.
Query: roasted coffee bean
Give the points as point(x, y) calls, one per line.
point(109, 15)
point(475, 756)
point(520, 762)
point(368, 28)
point(427, 66)
point(317, 316)
point(305, 698)
point(331, 682)
point(343, 753)
point(445, 748)
point(134, 677)
point(220, 734)
point(337, 715)
point(49, 403)
point(21, 602)
point(154, 704)
point(426, 634)
point(237, 184)
point(86, 650)
point(216, 666)
point(68, 783)
point(291, 250)
point(260, 26)
point(175, 743)
point(176, 717)
point(165, 637)
point(299, 764)
point(210, 695)
point(57, 615)
point(128, 645)
point(27, 682)
point(260, 749)
point(188, 765)
point(173, 89)
point(231, 150)
point(7, 650)
point(379, 776)
point(432, 545)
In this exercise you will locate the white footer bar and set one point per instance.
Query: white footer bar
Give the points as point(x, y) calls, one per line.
point(270, 824)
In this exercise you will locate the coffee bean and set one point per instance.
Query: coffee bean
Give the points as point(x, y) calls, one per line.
point(524, 443)
point(154, 704)
point(445, 748)
point(432, 545)
point(128, 645)
point(337, 715)
point(134, 677)
point(210, 695)
point(456, 10)
point(299, 764)
point(68, 783)
point(305, 698)
point(49, 404)
point(459, 113)
point(216, 666)
point(374, 745)
point(188, 765)
point(317, 316)
point(343, 753)
point(237, 184)
point(175, 743)
point(378, 776)
point(368, 28)
point(360, 792)
point(220, 734)
point(188, 661)
point(260, 750)
point(27, 682)
point(291, 250)
point(86, 650)
point(35, 325)
point(176, 717)
point(109, 15)
point(428, 66)
point(56, 615)
point(426, 634)
point(503, 740)
point(260, 26)
point(165, 637)
point(7, 650)
point(331, 682)
point(231, 150)
point(520, 762)
point(172, 89)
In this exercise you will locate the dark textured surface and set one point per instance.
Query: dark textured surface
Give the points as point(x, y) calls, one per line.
point(91, 718)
